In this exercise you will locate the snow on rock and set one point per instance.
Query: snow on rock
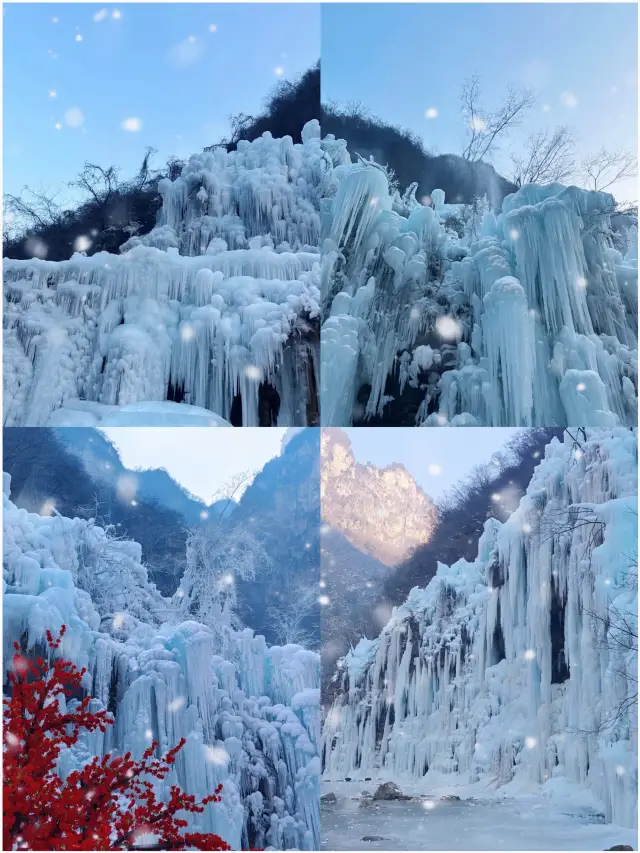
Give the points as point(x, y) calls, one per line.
point(218, 305)
point(87, 413)
point(511, 304)
point(249, 713)
point(518, 669)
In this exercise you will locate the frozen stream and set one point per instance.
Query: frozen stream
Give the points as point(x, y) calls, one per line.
point(527, 822)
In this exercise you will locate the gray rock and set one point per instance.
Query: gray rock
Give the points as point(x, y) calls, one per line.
point(325, 799)
point(450, 798)
point(617, 847)
point(373, 838)
point(389, 791)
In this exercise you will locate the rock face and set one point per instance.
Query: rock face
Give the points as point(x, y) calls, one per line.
point(381, 511)
point(328, 799)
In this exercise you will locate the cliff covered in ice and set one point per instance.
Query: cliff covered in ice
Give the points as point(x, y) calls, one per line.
point(249, 712)
point(448, 314)
point(217, 307)
point(517, 669)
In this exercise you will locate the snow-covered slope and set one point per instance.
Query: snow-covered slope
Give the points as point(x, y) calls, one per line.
point(217, 307)
point(527, 318)
point(518, 669)
point(249, 713)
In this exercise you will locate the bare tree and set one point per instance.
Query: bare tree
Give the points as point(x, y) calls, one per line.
point(604, 168)
point(288, 618)
point(484, 127)
point(220, 553)
point(101, 184)
point(548, 158)
point(33, 209)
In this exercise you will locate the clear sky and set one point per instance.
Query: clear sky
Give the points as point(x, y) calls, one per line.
point(200, 459)
point(400, 60)
point(436, 458)
point(159, 65)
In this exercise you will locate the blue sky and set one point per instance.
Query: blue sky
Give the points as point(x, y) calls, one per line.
point(400, 60)
point(159, 63)
point(437, 458)
point(202, 460)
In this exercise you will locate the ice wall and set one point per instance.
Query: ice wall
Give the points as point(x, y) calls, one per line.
point(533, 312)
point(520, 667)
point(249, 713)
point(219, 303)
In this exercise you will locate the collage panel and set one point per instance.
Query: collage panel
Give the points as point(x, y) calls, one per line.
point(160, 605)
point(480, 254)
point(479, 641)
point(161, 245)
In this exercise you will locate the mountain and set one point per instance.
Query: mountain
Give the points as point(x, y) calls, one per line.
point(282, 508)
point(515, 669)
point(102, 461)
point(380, 511)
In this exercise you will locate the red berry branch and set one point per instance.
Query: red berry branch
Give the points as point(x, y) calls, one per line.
point(109, 804)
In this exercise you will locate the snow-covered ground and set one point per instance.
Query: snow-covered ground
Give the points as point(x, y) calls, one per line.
point(217, 307)
point(524, 318)
point(518, 670)
point(249, 712)
point(479, 821)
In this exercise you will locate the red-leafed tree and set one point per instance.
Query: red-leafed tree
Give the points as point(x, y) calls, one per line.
point(109, 804)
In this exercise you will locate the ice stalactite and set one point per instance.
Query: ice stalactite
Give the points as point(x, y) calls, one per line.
point(217, 307)
point(249, 713)
point(521, 665)
point(432, 272)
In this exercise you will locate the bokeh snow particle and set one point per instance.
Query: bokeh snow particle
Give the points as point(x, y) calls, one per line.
point(53, 93)
point(132, 124)
point(428, 805)
point(100, 16)
point(37, 248)
point(581, 281)
point(79, 37)
point(530, 742)
point(546, 108)
point(216, 755)
point(530, 654)
point(116, 14)
point(177, 704)
point(449, 328)
point(213, 28)
point(581, 386)
point(186, 53)
point(569, 100)
point(48, 507)
point(148, 734)
point(126, 487)
point(204, 515)
point(432, 112)
point(118, 620)
point(434, 469)
point(74, 117)
point(279, 71)
point(477, 123)
point(187, 332)
point(324, 600)
point(82, 243)
point(253, 373)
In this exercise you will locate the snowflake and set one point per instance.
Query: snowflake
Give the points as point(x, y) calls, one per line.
point(176, 704)
point(187, 332)
point(213, 28)
point(74, 117)
point(432, 112)
point(100, 16)
point(581, 386)
point(81, 243)
point(323, 599)
point(529, 654)
point(569, 100)
point(79, 37)
point(434, 469)
point(530, 742)
point(132, 124)
point(448, 328)
point(279, 71)
point(204, 515)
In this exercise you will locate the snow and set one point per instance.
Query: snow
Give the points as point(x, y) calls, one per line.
point(516, 669)
point(250, 713)
point(87, 413)
point(510, 303)
point(219, 300)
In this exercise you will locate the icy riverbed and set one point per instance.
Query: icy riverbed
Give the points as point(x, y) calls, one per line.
point(478, 821)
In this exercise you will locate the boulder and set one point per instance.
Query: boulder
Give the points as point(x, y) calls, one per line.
point(373, 838)
point(621, 847)
point(450, 798)
point(389, 791)
point(326, 799)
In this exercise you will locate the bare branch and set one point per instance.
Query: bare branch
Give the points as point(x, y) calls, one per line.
point(604, 168)
point(485, 128)
point(548, 158)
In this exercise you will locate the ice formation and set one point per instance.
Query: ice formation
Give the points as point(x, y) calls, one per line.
point(217, 307)
point(524, 318)
point(519, 668)
point(249, 712)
